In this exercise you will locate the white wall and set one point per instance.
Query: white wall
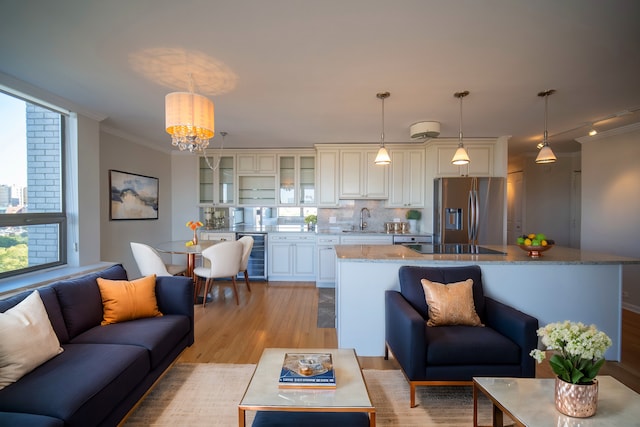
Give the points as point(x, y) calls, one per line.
point(121, 154)
point(548, 196)
point(611, 201)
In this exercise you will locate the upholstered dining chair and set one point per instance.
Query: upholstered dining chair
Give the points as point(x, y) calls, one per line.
point(224, 261)
point(247, 243)
point(443, 330)
point(149, 262)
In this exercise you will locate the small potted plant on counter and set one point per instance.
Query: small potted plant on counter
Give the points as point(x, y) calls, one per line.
point(413, 216)
point(311, 221)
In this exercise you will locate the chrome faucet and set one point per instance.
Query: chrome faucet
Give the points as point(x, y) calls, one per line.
point(363, 224)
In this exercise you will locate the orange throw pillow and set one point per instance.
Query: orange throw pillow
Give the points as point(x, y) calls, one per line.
point(450, 304)
point(124, 300)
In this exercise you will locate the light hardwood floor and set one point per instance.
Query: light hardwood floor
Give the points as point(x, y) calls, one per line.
point(284, 314)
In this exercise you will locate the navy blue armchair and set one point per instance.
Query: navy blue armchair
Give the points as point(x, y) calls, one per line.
point(453, 355)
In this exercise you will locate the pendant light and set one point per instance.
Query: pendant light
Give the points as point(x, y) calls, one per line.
point(461, 157)
point(382, 158)
point(545, 155)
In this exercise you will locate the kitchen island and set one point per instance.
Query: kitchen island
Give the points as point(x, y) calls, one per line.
point(563, 284)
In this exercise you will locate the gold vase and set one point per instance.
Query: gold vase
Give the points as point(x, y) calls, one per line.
point(576, 400)
point(195, 237)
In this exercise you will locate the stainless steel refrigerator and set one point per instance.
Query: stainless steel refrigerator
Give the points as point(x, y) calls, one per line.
point(470, 210)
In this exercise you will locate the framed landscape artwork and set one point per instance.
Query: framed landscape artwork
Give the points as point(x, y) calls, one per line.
point(132, 196)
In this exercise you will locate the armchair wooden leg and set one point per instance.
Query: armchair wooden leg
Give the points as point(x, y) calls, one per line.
point(412, 391)
point(235, 289)
point(246, 280)
point(206, 292)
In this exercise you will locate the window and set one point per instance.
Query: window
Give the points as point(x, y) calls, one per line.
point(32, 211)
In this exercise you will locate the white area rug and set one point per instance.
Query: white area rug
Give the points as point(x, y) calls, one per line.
point(207, 394)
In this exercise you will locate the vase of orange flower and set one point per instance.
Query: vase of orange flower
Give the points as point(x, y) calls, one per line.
point(194, 225)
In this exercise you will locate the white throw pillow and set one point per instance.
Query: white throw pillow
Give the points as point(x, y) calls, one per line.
point(27, 339)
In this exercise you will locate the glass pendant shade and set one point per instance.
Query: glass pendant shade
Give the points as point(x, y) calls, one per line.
point(461, 157)
point(189, 119)
point(545, 155)
point(382, 158)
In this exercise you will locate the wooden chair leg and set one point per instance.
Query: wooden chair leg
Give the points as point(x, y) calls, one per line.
point(196, 289)
point(246, 280)
point(235, 289)
point(206, 291)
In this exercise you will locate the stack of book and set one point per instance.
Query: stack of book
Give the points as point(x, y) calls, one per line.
point(307, 370)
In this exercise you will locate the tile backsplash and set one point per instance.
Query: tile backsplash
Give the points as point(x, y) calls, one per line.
point(348, 215)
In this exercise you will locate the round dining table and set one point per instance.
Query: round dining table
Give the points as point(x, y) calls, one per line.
point(180, 247)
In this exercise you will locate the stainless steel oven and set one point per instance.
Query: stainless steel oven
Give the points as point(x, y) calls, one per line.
point(411, 239)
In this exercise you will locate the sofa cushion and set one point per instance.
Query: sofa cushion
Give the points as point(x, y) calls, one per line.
point(124, 300)
point(50, 301)
point(80, 300)
point(27, 339)
point(468, 345)
point(31, 420)
point(411, 288)
point(81, 386)
point(158, 335)
point(450, 304)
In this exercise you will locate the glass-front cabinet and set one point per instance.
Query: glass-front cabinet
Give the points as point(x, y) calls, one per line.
point(296, 179)
point(217, 180)
point(256, 190)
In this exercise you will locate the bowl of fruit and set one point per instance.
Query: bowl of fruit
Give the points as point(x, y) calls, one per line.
point(535, 244)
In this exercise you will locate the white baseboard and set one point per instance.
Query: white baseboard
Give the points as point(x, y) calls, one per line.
point(631, 307)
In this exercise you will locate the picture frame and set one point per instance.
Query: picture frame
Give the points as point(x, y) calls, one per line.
point(132, 196)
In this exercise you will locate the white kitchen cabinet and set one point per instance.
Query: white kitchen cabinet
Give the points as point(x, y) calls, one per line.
point(256, 190)
point(366, 239)
point(292, 257)
point(406, 178)
point(216, 180)
point(327, 177)
point(360, 177)
point(326, 260)
point(223, 236)
point(296, 178)
point(481, 163)
point(258, 163)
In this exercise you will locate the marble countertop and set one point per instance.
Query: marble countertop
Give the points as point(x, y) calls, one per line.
point(514, 255)
point(303, 229)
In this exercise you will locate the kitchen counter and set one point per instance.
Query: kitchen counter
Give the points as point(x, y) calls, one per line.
point(304, 229)
point(563, 284)
point(513, 255)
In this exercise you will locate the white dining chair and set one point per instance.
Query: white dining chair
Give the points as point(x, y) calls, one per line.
point(224, 259)
point(149, 262)
point(247, 243)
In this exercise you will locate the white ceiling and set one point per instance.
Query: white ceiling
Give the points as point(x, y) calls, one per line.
point(291, 73)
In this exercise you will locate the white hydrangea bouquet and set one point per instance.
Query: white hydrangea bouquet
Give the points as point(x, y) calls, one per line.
point(579, 350)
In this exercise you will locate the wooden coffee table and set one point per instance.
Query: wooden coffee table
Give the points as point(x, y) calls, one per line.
point(349, 395)
point(530, 402)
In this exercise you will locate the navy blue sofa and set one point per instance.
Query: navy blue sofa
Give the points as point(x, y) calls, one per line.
point(104, 370)
point(453, 355)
